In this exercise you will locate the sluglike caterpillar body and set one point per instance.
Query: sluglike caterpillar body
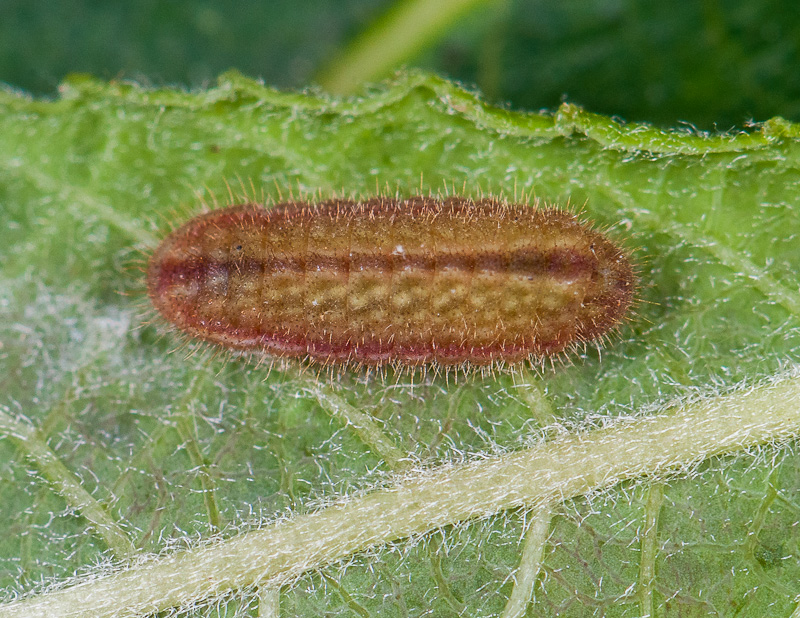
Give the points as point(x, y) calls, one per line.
point(425, 280)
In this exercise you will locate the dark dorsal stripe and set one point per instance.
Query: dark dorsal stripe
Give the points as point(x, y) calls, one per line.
point(558, 263)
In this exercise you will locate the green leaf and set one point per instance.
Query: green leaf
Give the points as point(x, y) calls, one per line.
point(656, 475)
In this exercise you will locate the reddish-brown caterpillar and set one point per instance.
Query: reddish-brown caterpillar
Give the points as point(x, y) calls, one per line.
point(411, 282)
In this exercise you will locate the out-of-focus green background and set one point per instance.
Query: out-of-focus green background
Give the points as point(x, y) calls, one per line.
point(715, 64)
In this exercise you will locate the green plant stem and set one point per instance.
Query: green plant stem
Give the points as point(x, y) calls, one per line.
point(406, 29)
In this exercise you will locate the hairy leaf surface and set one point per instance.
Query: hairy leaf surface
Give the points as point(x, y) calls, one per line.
point(174, 446)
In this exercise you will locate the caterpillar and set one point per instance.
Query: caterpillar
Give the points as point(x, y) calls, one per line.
point(423, 280)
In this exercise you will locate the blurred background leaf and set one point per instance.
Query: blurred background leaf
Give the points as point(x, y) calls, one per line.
point(710, 63)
